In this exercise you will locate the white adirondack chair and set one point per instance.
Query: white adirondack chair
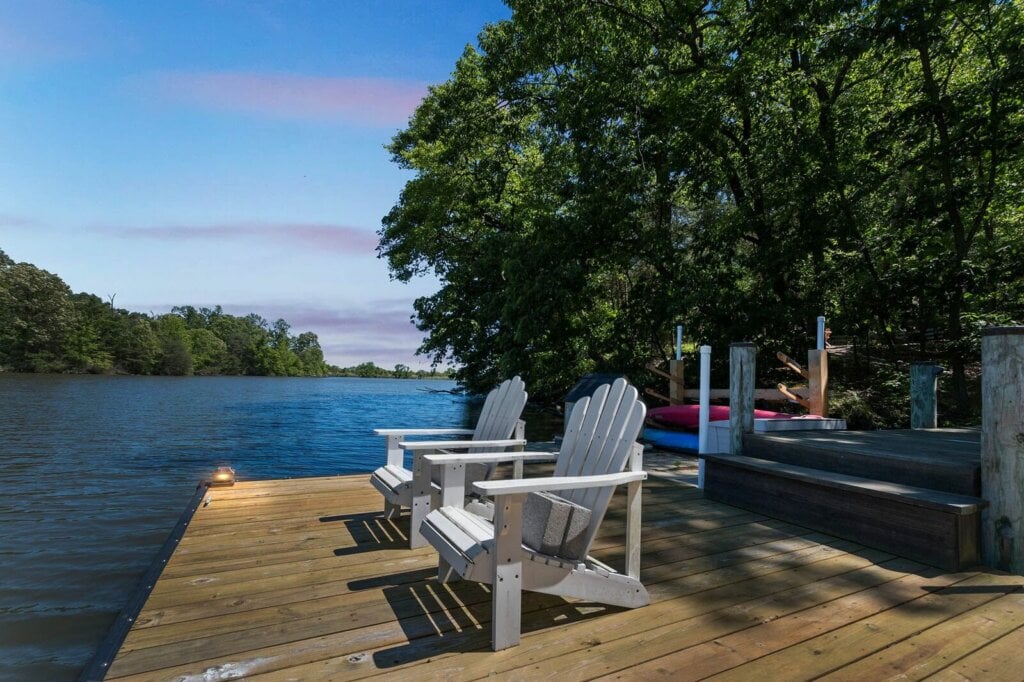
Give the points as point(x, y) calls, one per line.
point(598, 448)
point(498, 428)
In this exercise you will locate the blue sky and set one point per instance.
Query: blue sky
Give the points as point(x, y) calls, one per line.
point(205, 152)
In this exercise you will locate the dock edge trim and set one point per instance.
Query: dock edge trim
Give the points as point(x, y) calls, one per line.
point(99, 664)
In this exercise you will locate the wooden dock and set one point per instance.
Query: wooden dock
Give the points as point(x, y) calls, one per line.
point(304, 579)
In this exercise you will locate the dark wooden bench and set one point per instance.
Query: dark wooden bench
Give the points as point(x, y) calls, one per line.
point(931, 526)
point(937, 459)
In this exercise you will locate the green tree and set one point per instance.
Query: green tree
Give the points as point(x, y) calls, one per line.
point(175, 356)
point(306, 347)
point(37, 318)
point(604, 168)
point(137, 349)
point(209, 353)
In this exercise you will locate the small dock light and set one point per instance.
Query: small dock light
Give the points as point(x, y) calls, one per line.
point(223, 476)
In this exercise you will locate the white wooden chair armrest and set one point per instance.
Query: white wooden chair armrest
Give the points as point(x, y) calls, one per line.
point(395, 453)
point(489, 457)
point(554, 483)
point(423, 432)
point(418, 445)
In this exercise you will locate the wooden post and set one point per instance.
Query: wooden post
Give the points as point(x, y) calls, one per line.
point(817, 382)
point(741, 394)
point(675, 384)
point(924, 382)
point(1002, 447)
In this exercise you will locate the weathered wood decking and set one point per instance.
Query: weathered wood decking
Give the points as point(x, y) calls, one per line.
point(303, 579)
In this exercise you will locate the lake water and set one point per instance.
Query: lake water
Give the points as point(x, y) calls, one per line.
point(95, 471)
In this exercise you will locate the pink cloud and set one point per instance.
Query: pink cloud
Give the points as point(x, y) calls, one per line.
point(316, 236)
point(45, 31)
point(364, 101)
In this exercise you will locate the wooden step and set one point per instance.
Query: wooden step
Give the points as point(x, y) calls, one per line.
point(937, 459)
point(935, 527)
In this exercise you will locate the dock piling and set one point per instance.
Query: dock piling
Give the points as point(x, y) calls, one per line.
point(924, 383)
point(741, 393)
point(1002, 447)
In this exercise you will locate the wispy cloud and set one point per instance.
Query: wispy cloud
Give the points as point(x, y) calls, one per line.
point(315, 236)
point(390, 322)
point(376, 320)
point(363, 101)
point(18, 221)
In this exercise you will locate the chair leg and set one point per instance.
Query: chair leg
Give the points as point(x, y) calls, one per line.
point(445, 572)
point(391, 510)
point(507, 584)
point(421, 494)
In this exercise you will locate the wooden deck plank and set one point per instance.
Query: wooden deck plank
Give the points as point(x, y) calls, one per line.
point(737, 648)
point(412, 638)
point(143, 636)
point(566, 651)
point(999, 661)
point(937, 647)
point(296, 545)
point(322, 587)
point(982, 604)
point(666, 563)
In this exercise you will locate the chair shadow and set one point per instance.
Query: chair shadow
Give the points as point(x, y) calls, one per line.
point(456, 617)
point(371, 531)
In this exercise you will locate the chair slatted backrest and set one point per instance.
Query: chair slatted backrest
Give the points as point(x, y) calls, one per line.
point(501, 411)
point(598, 440)
point(497, 421)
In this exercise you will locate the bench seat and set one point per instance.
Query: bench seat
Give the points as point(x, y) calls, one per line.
point(935, 527)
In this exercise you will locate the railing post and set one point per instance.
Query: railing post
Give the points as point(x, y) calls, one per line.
point(817, 382)
point(1002, 447)
point(704, 411)
point(924, 382)
point(741, 394)
point(675, 384)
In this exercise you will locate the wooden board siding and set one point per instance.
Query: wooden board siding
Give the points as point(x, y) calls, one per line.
point(304, 579)
point(938, 459)
point(934, 527)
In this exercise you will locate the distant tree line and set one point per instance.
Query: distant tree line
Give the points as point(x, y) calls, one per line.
point(600, 170)
point(371, 371)
point(44, 327)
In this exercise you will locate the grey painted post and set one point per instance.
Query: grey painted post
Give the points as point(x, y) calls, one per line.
point(924, 382)
point(741, 394)
point(1002, 447)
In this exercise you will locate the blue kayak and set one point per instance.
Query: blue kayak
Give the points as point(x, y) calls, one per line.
point(671, 440)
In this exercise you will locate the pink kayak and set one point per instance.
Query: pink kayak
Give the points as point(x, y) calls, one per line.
point(688, 416)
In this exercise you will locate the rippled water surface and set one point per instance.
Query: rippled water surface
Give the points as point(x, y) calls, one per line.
point(94, 472)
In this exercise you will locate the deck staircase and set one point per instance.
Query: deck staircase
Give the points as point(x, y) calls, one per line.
point(913, 493)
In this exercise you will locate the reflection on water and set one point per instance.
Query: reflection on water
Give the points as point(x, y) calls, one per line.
point(94, 472)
